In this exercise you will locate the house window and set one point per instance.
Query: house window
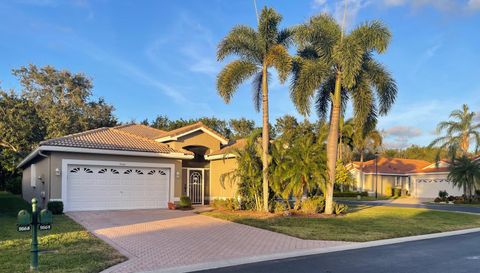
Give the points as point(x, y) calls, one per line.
point(138, 171)
point(162, 173)
point(114, 171)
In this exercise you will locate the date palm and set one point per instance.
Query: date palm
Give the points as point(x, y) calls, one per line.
point(465, 173)
point(333, 68)
point(257, 51)
point(460, 130)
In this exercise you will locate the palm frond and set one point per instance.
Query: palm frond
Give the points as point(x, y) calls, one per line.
point(383, 83)
point(279, 58)
point(241, 41)
point(373, 35)
point(234, 74)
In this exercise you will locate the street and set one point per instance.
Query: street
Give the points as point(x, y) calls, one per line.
point(453, 254)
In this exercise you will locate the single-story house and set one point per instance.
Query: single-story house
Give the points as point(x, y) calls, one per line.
point(130, 167)
point(418, 178)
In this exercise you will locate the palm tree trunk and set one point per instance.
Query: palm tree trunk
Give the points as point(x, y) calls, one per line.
point(332, 144)
point(361, 171)
point(265, 136)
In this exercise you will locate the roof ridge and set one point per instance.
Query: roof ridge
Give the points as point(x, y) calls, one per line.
point(73, 135)
point(137, 136)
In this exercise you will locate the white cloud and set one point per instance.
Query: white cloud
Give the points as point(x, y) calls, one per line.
point(337, 9)
point(399, 137)
point(473, 5)
point(428, 54)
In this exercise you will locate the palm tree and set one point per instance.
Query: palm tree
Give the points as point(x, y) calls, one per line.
point(460, 130)
point(465, 173)
point(257, 51)
point(299, 166)
point(334, 67)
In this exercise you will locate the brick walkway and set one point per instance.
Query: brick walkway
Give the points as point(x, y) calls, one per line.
point(155, 239)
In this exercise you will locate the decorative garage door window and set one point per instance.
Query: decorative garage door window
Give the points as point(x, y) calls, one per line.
point(103, 170)
point(437, 180)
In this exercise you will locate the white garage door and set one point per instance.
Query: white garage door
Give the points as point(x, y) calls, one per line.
point(429, 187)
point(112, 187)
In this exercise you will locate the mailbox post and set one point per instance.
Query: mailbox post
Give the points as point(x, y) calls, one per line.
point(37, 221)
point(34, 259)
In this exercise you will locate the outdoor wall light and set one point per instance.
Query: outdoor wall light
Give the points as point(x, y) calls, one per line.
point(57, 171)
point(177, 174)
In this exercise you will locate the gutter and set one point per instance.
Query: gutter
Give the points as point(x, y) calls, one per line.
point(220, 156)
point(38, 151)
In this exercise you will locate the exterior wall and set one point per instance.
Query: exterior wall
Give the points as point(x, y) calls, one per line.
point(198, 138)
point(56, 162)
point(42, 189)
point(385, 184)
point(438, 182)
point(217, 168)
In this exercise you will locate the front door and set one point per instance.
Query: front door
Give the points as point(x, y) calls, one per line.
point(195, 186)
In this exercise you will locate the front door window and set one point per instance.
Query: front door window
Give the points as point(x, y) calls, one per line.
point(195, 186)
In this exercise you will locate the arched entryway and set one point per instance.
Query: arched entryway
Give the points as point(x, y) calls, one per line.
point(196, 175)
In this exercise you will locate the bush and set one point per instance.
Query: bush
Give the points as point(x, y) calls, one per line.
point(339, 208)
point(56, 207)
point(451, 198)
point(437, 200)
point(14, 184)
point(185, 202)
point(315, 204)
point(350, 194)
point(442, 194)
point(278, 206)
point(396, 192)
point(227, 204)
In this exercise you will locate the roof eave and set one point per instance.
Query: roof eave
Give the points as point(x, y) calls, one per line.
point(219, 156)
point(46, 148)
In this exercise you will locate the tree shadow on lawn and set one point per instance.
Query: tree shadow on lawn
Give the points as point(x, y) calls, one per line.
point(365, 224)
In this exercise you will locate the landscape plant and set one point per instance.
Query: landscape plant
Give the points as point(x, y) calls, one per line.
point(257, 51)
point(334, 67)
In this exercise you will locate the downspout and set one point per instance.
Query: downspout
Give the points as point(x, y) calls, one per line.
point(49, 177)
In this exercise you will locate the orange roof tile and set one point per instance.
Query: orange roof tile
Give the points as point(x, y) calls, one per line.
point(191, 127)
point(141, 130)
point(392, 165)
point(238, 144)
point(111, 139)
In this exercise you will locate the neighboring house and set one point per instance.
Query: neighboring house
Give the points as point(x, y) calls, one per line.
point(419, 178)
point(130, 167)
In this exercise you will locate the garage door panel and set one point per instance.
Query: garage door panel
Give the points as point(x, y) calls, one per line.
point(104, 187)
point(429, 187)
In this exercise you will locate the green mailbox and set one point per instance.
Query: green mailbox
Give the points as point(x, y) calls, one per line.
point(24, 219)
point(45, 219)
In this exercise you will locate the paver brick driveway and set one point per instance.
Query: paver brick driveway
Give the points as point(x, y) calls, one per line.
point(159, 239)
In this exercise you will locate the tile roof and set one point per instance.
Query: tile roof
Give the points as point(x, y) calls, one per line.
point(141, 130)
point(111, 139)
point(191, 127)
point(238, 144)
point(393, 165)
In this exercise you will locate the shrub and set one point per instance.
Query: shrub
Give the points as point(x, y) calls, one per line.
point(350, 194)
point(56, 207)
point(396, 192)
point(339, 208)
point(451, 198)
point(14, 184)
point(442, 194)
point(315, 204)
point(228, 204)
point(185, 202)
point(278, 206)
point(437, 200)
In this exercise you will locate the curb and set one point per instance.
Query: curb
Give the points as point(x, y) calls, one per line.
point(307, 252)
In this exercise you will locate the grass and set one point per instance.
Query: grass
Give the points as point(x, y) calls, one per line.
point(362, 223)
point(70, 248)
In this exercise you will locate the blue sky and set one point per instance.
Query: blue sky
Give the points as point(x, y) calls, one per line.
point(150, 58)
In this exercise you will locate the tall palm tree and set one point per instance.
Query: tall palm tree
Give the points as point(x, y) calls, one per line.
point(465, 173)
point(460, 130)
point(334, 67)
point(257, 51)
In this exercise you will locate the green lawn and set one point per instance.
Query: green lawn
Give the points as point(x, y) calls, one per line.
point(364, 198)
point(362, 223)
point(70, 248)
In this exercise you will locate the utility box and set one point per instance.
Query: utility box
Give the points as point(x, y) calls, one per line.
point(24, 219)
point(45, 217)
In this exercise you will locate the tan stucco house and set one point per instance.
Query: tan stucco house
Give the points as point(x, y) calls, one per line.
point(417, 178)
point(130, 167)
